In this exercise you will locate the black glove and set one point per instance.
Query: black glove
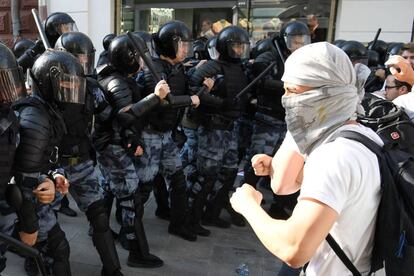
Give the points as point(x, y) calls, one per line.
point(132, 140)
point(38, 48)
point(28, 219)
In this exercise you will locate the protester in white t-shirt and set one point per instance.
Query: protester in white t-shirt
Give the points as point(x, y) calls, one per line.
point(340, 190)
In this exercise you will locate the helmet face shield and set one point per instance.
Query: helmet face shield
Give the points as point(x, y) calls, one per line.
point(212, 51)
point(150, 48)
point(184, 49)
point(87, 61)
point(66, 28)
point(11, 85)
point(69, 88)
point(238, 50)
point(294, 42)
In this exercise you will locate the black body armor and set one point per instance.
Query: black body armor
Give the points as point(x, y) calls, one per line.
point(220, 107)
point(166, 116)
point(270, 89)
point(41, 129)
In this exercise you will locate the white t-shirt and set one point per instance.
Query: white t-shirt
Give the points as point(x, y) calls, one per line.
point(344, 175)
point(406, 101)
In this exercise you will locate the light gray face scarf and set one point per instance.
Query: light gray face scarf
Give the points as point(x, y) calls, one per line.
point(313, 115)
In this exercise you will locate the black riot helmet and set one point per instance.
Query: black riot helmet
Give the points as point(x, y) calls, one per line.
point(394, 48)
point(174, 39)
point(21, 46)
point(81, 46)
point(58, 76)
point(233, 44)
point(121, 56)
point(373, 58)
point(356, 51)
point(107, 41)
point(57, 24)
point(381, 48)
point(147, 38)
point(295, 34)
point(211, 50)
point(264, 45)
point(339, 42)
point(11, 77)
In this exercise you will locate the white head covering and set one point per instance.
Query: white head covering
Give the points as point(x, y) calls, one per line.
point(320, 64)
point(313, 115)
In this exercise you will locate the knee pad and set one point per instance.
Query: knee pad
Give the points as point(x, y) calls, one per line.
point(98, 217)
point(57, 244)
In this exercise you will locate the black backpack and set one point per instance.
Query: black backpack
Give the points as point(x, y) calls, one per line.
point(394, 232)
point(389, 121)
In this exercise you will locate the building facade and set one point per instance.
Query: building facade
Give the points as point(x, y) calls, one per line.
point(341, 19)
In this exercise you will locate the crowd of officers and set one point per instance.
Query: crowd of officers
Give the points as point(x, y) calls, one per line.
point(116, 131)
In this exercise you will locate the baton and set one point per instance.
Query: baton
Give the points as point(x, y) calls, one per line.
point(39, 26)
point(279, 51)
point(30, 251)
point(375, 39)
point(143, 53)
point(253, 82)
point(140, 50)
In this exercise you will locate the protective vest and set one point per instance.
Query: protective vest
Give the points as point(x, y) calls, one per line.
point(166, 117)
point(41, 130)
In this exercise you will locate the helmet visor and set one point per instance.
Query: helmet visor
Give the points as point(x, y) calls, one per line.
point(212, 51)
point(70, 89)
point(294, 42)
point(11, 85)
point(239, 50)
point(184, 49)
point(67, 28)
point(87, 61)
point(151, 49)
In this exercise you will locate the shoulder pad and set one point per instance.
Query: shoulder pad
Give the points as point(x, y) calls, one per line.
point(117, 85)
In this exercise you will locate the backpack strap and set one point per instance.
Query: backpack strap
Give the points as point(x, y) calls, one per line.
point(375, 148)
point(341, 255)
point(356, 136)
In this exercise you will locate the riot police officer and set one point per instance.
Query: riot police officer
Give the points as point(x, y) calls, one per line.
point(41, 130)
point(103, 57)
point(217, 155)
point(55, 25)
point(358, 55)
point(21, 46)
point(118, 143)
point(161, 155)
point(12, 87)
point(76, 149)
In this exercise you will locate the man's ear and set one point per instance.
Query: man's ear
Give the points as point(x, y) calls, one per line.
point(403, 90)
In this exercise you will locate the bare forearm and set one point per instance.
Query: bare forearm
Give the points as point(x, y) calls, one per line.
point(274, 234)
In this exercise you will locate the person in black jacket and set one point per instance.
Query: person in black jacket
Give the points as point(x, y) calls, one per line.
point(77, 154)
point(118, 143)
point(217, 155)
point(161, 155)
point(36, 160)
